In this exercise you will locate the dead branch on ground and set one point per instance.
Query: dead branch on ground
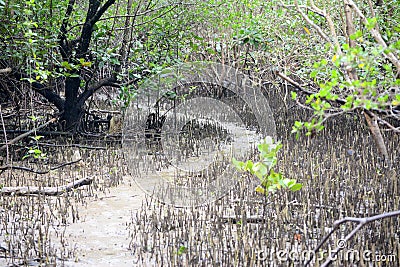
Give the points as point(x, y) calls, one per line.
point(47, 191)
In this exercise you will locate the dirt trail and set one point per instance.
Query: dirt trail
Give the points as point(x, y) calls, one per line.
point(101, 236)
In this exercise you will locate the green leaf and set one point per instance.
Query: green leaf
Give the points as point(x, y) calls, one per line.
point(33, 117)
point(294, 95)
point(313, 74)
point(371, 22)
point(263, 147)
point(238, 164)
point(182, 250)
point(356, 35)
point(296, 187)
point(288, 182)
point(66, 65)
point(298, 124)
point(260, 170)
point(248, 166)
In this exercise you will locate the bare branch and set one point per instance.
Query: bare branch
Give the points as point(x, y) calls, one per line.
point(110, 81)
point(312, 24)
point(5, 134)
point(47, 191)
point(8, 167)
point(101, 11)
point(16, 139)
point(316, 11)
point(350, 30)
point(44, 91)
point(150, 20)
point(127, 38)
point(361, 222)
point(63, 30)
point(377, 36)
point(295, 84)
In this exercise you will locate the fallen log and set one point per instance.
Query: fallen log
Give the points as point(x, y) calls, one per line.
point(46, 191)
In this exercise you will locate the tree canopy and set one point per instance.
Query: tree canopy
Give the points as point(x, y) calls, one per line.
point(341, 57)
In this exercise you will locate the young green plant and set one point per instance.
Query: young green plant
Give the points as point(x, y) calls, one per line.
point(270, 180)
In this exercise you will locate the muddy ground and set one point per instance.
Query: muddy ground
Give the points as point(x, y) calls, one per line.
point(112, 223)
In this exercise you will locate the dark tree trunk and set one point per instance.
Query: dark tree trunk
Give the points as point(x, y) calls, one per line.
point(72, 113)
point(73, 109)
point(71, 117)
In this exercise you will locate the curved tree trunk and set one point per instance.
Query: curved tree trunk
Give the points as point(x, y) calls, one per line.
point(376, 133)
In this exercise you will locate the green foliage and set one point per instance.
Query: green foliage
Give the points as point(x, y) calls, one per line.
point(182, 250)
point(253, 34)
point(359, 76)
point(249, 36)
point(34, 151)
point(270, 180)
point(371, 89)
point(29, 36)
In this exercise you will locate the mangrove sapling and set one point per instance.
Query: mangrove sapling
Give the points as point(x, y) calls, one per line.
point(270, 180)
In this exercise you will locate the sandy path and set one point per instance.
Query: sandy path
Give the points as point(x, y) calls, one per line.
point(101, 236)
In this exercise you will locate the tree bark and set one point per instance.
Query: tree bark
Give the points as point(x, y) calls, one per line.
point(376, 133)
point(72, 112)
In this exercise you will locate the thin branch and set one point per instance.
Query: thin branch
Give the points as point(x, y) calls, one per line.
point(16, 139)
point(315, 26)
point(377, 36)
point(110, 81)
point(101, 11)
point(338, 100)
point(390, 126)
point(144, 12)
point(5, 135)
point(73, 145)
point(22, 168)
point(316, 11)
point(127, 38)
point(46, 92)
point(47, 191)
point(361, 222)
point(150, 20)
point(376, 133)
point(350, 30)
point(295, 84)
point(106, 111)
point(45, 133)
point(65, 50)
